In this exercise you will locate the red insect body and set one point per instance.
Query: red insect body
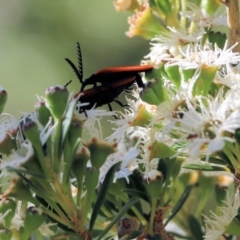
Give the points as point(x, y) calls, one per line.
point(108, 83)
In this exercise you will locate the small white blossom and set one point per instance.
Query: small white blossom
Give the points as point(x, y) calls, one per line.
point(197, 57)
point(17, 158)
point(217, 224)
point(201, 17)
point(230, 79)
point(204, 130)
point(8, 125)
point(128, 159)
point(166, 45)
point(123, 125)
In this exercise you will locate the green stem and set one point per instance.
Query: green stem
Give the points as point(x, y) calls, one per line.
point(56, 150)
point(43, 161)
point(230, 152)
point(152, 215)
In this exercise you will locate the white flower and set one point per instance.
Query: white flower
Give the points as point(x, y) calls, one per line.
point(197, 57)
point(17, 158)
point(8, 126)
point(128, 159)
point(217, 224)
point(166, 45)
point(123, 125)
point(158, 53)
point(201, 17)
point(203, 128)
point(45, 229)
point(230, 79)
point(152, 175)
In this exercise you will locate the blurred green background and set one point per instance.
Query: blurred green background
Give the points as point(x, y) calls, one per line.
point(36, 36)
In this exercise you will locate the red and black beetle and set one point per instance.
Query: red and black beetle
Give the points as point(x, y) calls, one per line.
point(113, 81)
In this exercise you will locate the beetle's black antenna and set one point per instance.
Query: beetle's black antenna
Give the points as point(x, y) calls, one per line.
point(67, 83)
point(80, 64)
point(74, 69)
point(78, 72)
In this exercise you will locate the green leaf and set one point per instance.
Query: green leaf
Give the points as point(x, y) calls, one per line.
point(205, 167)
point(165, 6)
point(68, 118)
point(217, 161)
point(124, 209)
point(136, 193)
point(234, 228)
point(195, 227)
point(217, 38)
point(160, 150)
point(68, 166)
point(180, 203)
point(24, 171)
point(102, 193)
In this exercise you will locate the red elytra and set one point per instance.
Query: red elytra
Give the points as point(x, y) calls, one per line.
point(129, 69)
point(114, 74)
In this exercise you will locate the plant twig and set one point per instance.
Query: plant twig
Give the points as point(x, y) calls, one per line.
point(232, 8)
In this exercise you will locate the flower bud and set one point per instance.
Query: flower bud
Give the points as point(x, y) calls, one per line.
point(147, 95)
point(186, 74)
point(8, 141)
point(153, 92)
point(7, 204)
point(153, 183)
point(160, 150)
point(43, 113)
point(143, 117)
point(75, 131)
point(173, 73)
point(204, 81)
point(31, 131)
point(79, 166)
point(144, 24)
point(3, 99)
point(5, 234)
point(34, 218)
point(99, 152)
point(122, 5)
point(56, 100)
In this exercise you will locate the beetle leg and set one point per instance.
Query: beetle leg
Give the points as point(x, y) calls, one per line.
point(120, 104)
point(82, 110)
point(139, 81)
point(128, 90)
point(109, 106)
